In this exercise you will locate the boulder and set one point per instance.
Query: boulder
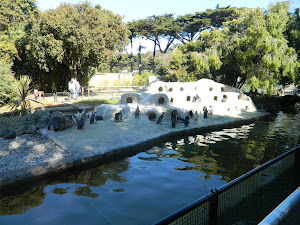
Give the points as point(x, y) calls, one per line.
point(59, 121)
point(41, 118)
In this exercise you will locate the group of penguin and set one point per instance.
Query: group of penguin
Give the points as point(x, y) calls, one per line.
point(175, 119)
point(80, 119)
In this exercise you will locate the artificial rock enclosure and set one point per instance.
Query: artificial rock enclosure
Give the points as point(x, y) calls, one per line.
point(184, 97)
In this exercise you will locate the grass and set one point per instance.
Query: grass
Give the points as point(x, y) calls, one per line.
point(95, 102)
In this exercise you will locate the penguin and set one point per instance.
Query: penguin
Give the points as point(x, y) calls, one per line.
point(137, 111)
point(160, 118)
point(81, 123)
point(210, 110)
point(92, 119)
point(49, 124)
point(119, 116)
point(186, 121)
point(196, 116)
point(173, 118)
point(205, 113)
point(75, 119)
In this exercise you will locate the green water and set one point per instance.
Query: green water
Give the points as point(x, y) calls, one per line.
point(154, 183)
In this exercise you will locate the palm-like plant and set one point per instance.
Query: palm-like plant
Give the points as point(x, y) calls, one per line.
point(20, 93)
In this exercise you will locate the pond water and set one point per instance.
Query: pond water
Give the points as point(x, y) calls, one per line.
point(154, 183)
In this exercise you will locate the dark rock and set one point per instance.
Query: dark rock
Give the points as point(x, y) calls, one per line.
point(27, 129)
point(98, 117)
point(41, 118)
point(290, 104)
point(60, 121)
point(10, 135)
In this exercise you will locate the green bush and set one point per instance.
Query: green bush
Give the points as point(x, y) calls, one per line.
point(6, 80)
point(141, 80)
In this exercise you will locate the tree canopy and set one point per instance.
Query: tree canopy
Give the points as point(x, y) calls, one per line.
point(78, 36)
point(251, 48)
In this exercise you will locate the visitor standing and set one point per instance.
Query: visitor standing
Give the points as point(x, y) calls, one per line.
point(71, 87)
point(36, 94)
point(77, 88)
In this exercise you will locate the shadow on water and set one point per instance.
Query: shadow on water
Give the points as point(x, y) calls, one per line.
point(152, 183)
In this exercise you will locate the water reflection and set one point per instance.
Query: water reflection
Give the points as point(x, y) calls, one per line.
point(20, 202)
point(232, 152)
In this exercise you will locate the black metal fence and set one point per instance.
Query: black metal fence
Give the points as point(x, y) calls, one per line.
point(247, 199)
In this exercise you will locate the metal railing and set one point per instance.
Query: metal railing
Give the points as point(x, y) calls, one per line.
point(247, 199)
point(282, 211)
point(90, 92)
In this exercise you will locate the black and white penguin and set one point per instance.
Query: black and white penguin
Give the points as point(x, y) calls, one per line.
point(173, 118)
point(160, 118)
point(137, 111)
point(119, 116)
point(81, 122)
point(205, 113)
point(196, 116)
point(186, 121)
point(210, 110)
point(92, 119)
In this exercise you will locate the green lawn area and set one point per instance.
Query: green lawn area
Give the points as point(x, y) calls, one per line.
point(95, 102)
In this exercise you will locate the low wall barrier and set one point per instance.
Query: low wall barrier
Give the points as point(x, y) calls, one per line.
point(247, 199)
point(90, 92)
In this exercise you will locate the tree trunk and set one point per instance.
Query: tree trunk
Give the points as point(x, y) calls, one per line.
point(140, 58)
point(153, 63)
point(131, 56)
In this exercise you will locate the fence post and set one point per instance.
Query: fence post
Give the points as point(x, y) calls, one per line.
point(213, 207)
point(88, 92)
point(82, 92)
point(297, 167)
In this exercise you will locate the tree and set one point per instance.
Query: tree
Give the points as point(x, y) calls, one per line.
point(293, 35)
point(78, 36)
point(250, 48)
point(193, 24)
point(6, 80)
point(14, 16)
point(16, 12)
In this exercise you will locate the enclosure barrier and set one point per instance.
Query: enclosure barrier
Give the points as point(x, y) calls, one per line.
point(247, 199)
point(90, 92)
point(281, 211)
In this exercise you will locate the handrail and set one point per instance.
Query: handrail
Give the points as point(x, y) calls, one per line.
point(281, 211)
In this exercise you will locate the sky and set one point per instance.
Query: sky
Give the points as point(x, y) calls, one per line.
point(139, 9)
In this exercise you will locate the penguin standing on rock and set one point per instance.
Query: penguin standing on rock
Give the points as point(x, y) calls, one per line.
point(92, 119)
point(196, 116)
point(186, 121)
point(81, 123)
point(205, 114)
point(173, 118)
point(160, 118)
point(137, 111)
point(119, 116)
